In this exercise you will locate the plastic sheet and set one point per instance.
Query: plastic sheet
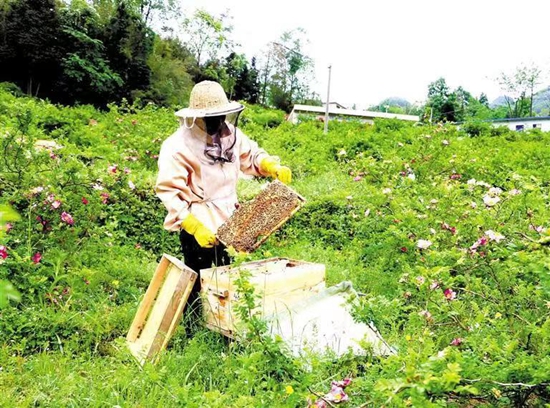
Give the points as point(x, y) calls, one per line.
point(323, 323)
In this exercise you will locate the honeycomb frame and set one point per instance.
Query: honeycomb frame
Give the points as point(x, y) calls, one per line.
point(253, 222)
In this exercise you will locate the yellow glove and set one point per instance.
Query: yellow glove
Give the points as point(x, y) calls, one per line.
point(203, 235)
point(270, 166)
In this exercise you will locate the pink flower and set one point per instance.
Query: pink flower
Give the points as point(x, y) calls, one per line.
point(455, 176)
point(457, 341)
point(112, 168)
point(84, 201)
point(427, 315)
point(3, 252)
point(480, 242)
point(66, 217)
point(449, 294)
point(9, 227)
point(50, 198)
point(36, 258)
point(403, 249)
point(127, 170)
point(104, 198)
point(343, 383)
point(447, 227)
point(37, 190)
point(336, 394)
point(357, 178)
point(56, 204)
point(434, 285)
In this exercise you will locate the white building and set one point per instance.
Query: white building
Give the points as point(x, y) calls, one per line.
point(366, 116)
point(520, 124)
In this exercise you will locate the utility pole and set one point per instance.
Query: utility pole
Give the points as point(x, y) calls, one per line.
point(328, 101)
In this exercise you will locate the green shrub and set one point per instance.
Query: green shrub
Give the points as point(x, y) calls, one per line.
point(476, 128)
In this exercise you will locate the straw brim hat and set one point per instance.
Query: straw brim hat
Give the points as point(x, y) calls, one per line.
point(208, 99)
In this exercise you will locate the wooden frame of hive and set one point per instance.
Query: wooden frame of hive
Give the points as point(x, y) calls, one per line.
point(280, 283)
point(160, 309)
point(253, 222)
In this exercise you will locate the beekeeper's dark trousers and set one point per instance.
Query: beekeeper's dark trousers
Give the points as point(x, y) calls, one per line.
point(197, 258)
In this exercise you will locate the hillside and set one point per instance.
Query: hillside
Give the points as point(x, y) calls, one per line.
point(444, 235)
point(541, 102)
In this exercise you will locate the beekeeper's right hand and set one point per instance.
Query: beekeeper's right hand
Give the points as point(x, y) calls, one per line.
point(203, 235)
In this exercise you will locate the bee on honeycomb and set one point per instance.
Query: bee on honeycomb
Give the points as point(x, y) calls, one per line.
point(253, 222)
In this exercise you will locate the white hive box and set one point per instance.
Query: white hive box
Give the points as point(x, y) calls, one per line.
point(279, 282)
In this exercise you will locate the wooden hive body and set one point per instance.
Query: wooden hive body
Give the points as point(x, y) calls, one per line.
point(279, 282)
point(160, 309)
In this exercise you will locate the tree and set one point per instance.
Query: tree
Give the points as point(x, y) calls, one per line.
point(463, 101)
point(247, 86)
point(483, 99)
point(151, 9)
point(29, 45)
point(171, 81)
point(153, 12)
point(207, 35)
point(87, 76)
point(519, 87)
point(442, 103)
point(129, 43)
point(234, 65)
point(287, 71)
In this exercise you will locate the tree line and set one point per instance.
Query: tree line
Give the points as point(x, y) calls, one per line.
point(444, 104)
point(102, 51)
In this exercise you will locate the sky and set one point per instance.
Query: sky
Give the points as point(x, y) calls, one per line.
point(380, 49)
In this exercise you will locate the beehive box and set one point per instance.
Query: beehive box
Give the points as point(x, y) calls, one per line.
point(279, 282)
point(252, 223)
point(161, 309)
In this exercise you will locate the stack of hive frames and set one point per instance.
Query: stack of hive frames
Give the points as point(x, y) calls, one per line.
point(253, 222)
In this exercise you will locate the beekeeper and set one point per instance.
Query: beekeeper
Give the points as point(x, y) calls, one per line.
point(198, 171)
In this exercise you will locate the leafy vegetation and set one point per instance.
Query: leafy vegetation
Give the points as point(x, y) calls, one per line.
point(101, 52)
point(446, 236)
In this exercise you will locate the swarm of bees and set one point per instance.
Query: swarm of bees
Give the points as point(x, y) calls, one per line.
point(253, 222)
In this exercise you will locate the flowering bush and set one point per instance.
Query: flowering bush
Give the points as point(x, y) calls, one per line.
point(445, 235)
